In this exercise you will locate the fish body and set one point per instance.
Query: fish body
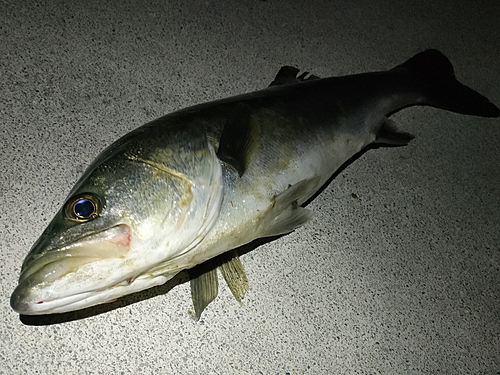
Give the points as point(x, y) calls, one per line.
point(207, 179)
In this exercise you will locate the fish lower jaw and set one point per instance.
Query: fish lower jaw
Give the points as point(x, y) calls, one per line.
point(30, 305)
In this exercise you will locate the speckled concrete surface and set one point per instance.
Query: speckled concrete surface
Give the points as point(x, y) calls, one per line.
point(403, 279)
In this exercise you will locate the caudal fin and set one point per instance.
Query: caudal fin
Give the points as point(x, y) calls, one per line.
point(436, 78)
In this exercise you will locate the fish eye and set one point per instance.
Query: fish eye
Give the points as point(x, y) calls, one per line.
point(83, 207)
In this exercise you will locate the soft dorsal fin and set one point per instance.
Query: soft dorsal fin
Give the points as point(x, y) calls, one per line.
point(290, 74)
point(239, 138)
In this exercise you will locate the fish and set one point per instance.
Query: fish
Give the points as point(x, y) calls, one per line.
point(201, 182)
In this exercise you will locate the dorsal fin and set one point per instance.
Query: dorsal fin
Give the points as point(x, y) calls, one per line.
point(289, 74)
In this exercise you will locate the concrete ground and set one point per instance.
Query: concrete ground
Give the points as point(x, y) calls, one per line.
point(403, 277)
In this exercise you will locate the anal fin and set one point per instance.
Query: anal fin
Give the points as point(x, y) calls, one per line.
point(388, 134)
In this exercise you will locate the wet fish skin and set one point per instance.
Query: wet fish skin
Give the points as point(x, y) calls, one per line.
point(201, 181)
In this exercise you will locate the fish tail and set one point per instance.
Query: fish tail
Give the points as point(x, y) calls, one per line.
point(435, 78)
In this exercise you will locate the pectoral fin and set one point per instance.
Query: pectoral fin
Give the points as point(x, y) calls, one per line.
point(239, 139)
point(286, 214)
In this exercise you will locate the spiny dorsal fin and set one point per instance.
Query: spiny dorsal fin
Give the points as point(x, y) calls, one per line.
point(388, 134)
point(235, 275)
point(239, 138)
point(290, 74)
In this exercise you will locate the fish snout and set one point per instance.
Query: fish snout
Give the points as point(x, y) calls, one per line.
point(39, 290)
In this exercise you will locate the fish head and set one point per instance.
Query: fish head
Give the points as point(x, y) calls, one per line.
point(144, 202)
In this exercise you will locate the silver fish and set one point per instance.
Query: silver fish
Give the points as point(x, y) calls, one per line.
point(205, 180)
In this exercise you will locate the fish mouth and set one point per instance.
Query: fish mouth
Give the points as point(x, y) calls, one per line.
point(84, 300)
point(55, 279)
